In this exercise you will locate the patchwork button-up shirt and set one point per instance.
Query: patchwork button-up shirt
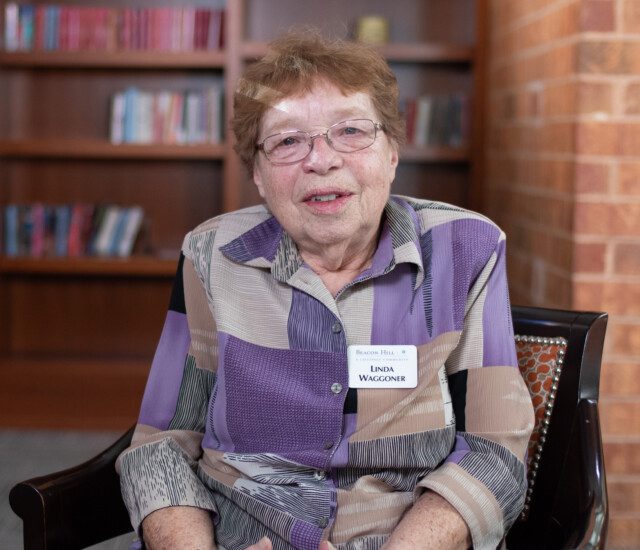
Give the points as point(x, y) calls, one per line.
point(248, 411)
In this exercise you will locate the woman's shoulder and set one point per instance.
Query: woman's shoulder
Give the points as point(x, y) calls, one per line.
point(458, 220)
point(225, 227)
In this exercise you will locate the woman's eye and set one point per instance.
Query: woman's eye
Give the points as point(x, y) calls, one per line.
point(350, 131)
point(289, 141)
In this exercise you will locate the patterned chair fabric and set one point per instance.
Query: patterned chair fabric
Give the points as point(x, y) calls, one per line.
point(540, 361)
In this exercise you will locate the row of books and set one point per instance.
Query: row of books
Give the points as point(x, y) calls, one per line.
point(72, 28)
point(191, 117)
point(438, 120)
point(70, 230)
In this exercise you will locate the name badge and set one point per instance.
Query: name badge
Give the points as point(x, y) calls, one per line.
point(383, 366)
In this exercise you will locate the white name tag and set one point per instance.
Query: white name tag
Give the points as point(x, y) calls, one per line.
point(383, 366)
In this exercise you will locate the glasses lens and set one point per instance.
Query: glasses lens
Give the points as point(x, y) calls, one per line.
point(352, 135)
point(286, 147)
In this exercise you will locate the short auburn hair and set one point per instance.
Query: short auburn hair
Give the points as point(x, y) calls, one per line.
point(293, 64)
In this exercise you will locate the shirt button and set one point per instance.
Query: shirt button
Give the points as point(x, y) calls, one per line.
point(328, 445)
point(323, 522)
point(336, 328)
point(336, 387)
point(319, 475)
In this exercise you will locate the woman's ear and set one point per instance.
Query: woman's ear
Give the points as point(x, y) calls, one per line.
point(257, 179)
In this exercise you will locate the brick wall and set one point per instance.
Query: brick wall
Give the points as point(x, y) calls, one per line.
point(563, 180)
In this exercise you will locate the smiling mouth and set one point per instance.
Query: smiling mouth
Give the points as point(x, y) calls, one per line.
point(324, 198)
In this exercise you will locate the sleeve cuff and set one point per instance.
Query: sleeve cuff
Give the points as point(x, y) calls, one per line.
point(159, 475)
point(473, 501)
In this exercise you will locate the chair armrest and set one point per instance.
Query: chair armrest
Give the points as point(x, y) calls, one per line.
point(581, 506)
point(74, 508)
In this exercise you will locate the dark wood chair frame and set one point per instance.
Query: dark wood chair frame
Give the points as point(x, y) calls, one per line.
point(82, 506)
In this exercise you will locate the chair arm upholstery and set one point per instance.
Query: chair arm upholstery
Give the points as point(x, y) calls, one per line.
point(73, 508)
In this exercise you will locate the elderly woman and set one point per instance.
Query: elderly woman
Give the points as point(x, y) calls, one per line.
point(337, 367)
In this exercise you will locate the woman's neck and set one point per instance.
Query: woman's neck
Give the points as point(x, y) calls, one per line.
point(338, 265)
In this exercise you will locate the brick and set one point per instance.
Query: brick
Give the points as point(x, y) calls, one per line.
point(608, 57)
point(591, 177)
point(557, 137)
point(595, 97)
point(630, 16)
point(631, 105)
point(629, 178)
point(626, 259)
point(589, 257)
point(620, 418)
point(557, 290)
point(557, 62)
point(625, 219)
point(559, 99)
point(556, 175)
point(623, 533)
point(624, 496)
point(587, 296)
point(621, 379)
point(622, 457)
point(622, 298)
point(607, 219)
point(597, 16)
point(629, 139)
point(591, 218)
point(597, 138)
point(623, 339)
point(559, 24)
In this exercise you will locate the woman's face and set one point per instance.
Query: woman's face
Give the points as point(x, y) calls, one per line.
point(354, 187)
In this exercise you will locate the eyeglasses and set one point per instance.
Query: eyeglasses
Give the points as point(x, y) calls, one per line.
point(347, 136)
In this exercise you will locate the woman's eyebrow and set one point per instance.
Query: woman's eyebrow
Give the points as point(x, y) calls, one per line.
point(294, 124)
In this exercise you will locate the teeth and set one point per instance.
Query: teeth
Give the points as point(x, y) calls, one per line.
point(324, 198)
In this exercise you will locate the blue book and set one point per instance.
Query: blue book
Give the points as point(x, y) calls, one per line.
point(11, 230)
point(61, 229)
point(130, 101)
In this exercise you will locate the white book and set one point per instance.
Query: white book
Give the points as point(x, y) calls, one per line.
point(117, 118)
point(106, 230)
point(11, 40)
point(133, 224)
point(423, 120)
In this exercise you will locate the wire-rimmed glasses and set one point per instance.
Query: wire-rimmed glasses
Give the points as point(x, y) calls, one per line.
point(347, 136)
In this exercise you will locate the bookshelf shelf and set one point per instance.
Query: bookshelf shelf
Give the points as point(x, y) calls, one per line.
point(102, 149)
point(135, 266)
point(137, 60)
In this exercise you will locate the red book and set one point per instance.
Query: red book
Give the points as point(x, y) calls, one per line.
point(410, 119)
point(40, 27)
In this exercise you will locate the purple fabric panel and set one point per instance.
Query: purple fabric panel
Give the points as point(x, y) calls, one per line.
point(217, 433)
point(384, 253)
point(280, 400)
point(163, 385)
point(260, 242)
point(309, 325)
point(441, 269)
point(341, 456)
point(460, 450)
point(305, 536)
point(398, 316)
point(498, 348)
point(473, 243)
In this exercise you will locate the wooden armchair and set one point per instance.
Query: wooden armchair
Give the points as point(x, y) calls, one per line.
point(559, 354)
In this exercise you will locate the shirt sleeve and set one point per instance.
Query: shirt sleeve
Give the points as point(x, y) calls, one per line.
point(484, 477)
point(158, 470)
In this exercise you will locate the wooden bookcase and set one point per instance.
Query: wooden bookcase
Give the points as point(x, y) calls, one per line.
point(77, 335)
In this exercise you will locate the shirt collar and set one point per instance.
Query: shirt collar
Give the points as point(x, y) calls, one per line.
point(267, 245)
